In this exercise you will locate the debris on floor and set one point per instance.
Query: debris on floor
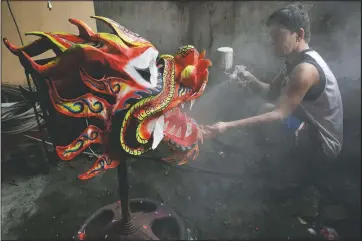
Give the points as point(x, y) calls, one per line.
point(329, 233)
point(311, 231)
point(302, 221)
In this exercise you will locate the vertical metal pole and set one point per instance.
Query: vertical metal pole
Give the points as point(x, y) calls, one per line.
point(123, 190)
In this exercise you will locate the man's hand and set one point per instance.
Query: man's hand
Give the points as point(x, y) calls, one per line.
point(215, 129)
point(241, 75)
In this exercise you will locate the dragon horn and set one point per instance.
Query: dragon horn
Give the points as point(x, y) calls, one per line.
point(52, 38)
point(85, 31)
point(11, 47)
point(202, 54)
point(34, 48)
point(108, 22)
point(123, 33)
point(27, 62)
point(204, 64)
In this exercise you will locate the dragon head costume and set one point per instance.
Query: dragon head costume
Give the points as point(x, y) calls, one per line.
point(134, 91)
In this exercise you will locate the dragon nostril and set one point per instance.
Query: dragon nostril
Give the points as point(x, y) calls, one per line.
point(145, 73)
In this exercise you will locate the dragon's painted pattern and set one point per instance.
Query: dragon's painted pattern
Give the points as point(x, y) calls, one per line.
point(147, 90)
point(149, 107)
point(91, 135)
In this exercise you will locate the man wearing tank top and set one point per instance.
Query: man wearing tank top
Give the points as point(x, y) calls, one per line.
point(305, 94)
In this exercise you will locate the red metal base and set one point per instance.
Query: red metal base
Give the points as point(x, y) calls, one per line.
point(149, 221)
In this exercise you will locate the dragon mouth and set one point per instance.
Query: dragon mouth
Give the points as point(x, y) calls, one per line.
point(179, 130)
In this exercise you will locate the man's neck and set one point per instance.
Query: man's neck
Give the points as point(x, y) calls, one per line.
point(294, 55)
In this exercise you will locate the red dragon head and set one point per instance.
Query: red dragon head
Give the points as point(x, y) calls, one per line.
point(145, 90)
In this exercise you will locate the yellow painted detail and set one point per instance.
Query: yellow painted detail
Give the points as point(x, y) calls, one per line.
point(76, 147)
point(53, 40)
point(70, 105)
point(186, 72)
point(166, 56)
point(113, 38)
point(169, 85)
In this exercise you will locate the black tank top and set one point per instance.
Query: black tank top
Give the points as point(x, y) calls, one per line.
point(315, 91)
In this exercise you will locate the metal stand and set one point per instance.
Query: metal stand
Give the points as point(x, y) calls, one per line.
point(132, 219)
point(126, 224)
point(37, 116)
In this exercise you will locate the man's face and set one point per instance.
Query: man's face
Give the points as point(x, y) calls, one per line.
point(283, 40)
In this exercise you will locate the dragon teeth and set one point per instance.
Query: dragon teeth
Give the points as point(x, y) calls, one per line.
point(172, 130)
point(182, 105)
point(200, 135)
point(166, 125)
point(188, 129)
point(192, 103)
point(158, 132)
point(178, 134)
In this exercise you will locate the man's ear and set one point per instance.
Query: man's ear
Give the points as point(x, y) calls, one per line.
point(300, 34)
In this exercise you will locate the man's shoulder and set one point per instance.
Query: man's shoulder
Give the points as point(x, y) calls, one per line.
point(305, 72)
point(304, 68)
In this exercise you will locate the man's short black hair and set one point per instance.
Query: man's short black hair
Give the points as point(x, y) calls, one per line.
point(292, 17)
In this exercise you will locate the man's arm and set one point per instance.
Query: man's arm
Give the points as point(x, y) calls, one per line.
point(258, 87)
point(263, 89)
point(275, 87)
point(301, 80)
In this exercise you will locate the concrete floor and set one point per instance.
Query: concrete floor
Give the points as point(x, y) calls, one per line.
point(229, 192)
point(236, 204)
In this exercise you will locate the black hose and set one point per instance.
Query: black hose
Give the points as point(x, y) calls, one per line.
point(16, 25)
point(29, 86)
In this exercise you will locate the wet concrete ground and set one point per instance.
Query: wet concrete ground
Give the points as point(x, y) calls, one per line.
point(222, 195)
point(232, 191)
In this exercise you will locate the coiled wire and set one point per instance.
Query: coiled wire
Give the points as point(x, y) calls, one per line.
point(17, 116)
